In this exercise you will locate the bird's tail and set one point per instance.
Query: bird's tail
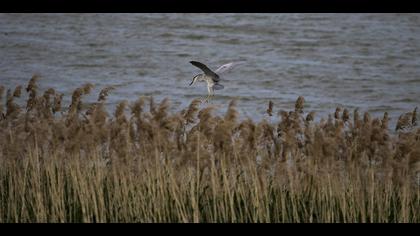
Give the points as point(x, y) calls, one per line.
point(218, 86)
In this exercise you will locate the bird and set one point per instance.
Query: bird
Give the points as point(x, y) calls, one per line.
point(211, 77)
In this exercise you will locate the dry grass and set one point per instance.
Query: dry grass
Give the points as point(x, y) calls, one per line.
point(82, 164)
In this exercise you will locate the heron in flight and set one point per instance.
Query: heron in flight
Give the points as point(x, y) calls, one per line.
point(211, 77)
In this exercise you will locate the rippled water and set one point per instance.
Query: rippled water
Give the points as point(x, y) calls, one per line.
point(369, 61)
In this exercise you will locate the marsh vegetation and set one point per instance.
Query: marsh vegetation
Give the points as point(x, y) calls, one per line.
point(146, 164)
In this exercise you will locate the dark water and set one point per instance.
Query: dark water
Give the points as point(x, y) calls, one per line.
point(369, 61)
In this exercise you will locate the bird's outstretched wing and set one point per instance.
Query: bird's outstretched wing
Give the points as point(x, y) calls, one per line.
point(205, 69)
point(228, 66)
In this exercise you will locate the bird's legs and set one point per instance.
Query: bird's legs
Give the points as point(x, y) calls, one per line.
point(210, 94)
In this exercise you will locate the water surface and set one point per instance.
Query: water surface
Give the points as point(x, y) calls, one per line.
point(369, 61)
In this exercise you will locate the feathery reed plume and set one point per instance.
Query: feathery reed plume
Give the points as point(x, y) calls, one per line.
point(406, 121)
point(384, 121)
point(47, 96)
point(310, 117)
point(191, 112)
point(231, 114)
point(103, 94)
point(1, 91)
point(119, 111)
point(337, 113)
point(346, 115)
point(18, 91)
point(248, 132)
point(12, 109)
point(206, 122)
point(75, 104)
point(162, 111)
point(57, 102)
point(366, 118)
point(330, 124)
point(270, 108)
point(47, 108)
point(76, 98)
point(299, 104)
point(32, 90)
point(205, 113)
point(137, 107)
point(284, 125)
point(87, 88)
point(32, 84)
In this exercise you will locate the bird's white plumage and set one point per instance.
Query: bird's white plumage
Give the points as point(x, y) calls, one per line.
point(227, 67)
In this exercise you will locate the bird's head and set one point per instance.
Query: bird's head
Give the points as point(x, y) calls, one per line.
point(194, 79)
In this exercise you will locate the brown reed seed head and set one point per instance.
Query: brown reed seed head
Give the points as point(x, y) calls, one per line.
point(346, 115)
point(103, 94)
point(193, 108)
point(1, 91)
point(231, 114)
point(47, 96)
point(87, 88)
point(32, 83)
point(119, 111)
point(337, 113)
point(366, 118)
point(284, 114)
point(299, 104)
point(404, 121)
point(77, 93)
point(310, 117)
point(356, 115)
point(49, 93)
point(137, 107)
point(270, 108)
point(18, 91)
point(161, 111)
point(205, 113)
point(384, 121)
point(57, 102)
point(12, 109)
point(414, 117)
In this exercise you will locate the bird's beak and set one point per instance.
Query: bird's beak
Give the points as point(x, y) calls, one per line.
point(191, 82)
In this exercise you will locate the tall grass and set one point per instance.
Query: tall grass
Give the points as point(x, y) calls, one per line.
point(82, 164)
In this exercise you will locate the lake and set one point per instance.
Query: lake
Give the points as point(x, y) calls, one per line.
point(368, 61)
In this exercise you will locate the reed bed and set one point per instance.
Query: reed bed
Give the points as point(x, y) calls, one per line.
point(146, 164)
